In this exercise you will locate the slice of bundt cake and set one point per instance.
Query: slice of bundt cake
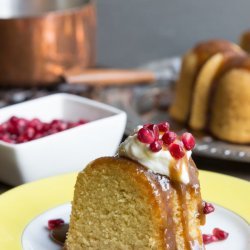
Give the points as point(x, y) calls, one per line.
point(147, 197)
point(192, 63)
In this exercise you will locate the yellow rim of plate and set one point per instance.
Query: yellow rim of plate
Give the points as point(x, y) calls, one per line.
point(21, 204)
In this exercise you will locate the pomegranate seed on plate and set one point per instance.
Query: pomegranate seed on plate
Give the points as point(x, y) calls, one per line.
point(220, 234)
point(208, 208)
point(209, 238)
point(176, 150)
point(188, 141)
point(52, 224)
point(169, 137)
point(217, 235)
point(145, 136)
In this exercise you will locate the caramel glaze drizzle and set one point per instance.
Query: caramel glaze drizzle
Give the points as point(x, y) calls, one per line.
point(193, 187)
point(204, 51)
point(164, 187)
point(231, 61)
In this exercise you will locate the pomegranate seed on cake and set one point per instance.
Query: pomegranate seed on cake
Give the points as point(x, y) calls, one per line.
point(169, 137)
point(146, 135)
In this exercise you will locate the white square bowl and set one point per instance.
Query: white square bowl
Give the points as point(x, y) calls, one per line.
point(65, 151)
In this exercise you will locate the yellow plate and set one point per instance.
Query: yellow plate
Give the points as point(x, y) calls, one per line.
point(20, 205)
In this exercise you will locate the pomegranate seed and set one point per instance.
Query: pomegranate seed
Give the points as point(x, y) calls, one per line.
point(176, 150)
point(6, 138)
point(46, 127)
point(155, 130)
point(30, 133)
point(22, 122)
point(3, 127)
point(55, 121)
point(220, 234)
point(38, 135)
point(209, 238)
point(156, 146)
point(13, 120)
point(21, 125)
point(13, 137)
point(63, 126)
point(22, 139)
point(52, 131)
point(81, 121)
point(12, 129)
point(72, 124)
point(188, 141)
point(52, 224)
point(147, 125)
point(207, 208)
point(169, 137)
point(36, 124)
point(145, 136)
point(163, 126)
point(19, 130)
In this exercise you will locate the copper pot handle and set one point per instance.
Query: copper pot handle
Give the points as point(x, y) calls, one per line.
point(106, 77)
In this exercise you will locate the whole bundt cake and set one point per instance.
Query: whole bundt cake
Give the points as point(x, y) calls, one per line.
point(214, 100)
point(146, 197)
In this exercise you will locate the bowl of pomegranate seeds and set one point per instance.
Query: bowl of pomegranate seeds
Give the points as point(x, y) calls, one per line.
point(18, 130)
point(56, 134)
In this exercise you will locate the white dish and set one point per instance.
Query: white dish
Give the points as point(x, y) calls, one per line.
point(36, 236)
point(66, 151)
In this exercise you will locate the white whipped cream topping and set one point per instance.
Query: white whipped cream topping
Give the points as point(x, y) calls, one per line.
point(159, 162)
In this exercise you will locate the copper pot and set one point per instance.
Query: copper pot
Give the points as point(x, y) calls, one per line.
point(40, 39)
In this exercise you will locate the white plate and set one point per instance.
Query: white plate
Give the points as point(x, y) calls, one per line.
point(36, 236)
